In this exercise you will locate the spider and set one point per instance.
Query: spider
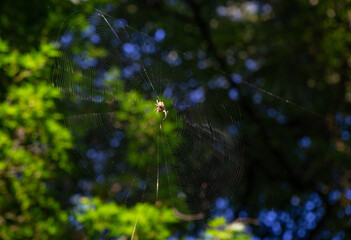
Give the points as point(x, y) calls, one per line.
point(161, 108)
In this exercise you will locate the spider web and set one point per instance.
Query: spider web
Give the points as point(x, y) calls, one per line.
point(110, 76)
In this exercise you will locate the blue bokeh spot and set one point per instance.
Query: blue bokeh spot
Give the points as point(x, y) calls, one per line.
point(233, 94)
point(305, 142)
point(197, 95)
point(66, 38)
point(222, 203)
point(236, 78)
point(160, 35)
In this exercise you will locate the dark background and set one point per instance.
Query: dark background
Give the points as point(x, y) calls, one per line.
point(293, 59)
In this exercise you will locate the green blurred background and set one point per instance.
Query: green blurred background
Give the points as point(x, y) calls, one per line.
point(297, 179)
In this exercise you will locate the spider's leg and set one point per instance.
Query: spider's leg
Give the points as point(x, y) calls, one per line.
point(165, 113)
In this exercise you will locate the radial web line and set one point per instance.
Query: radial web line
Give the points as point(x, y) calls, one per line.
point(287, 101)
point(135, 224)
point(161, 72)
point(266, 92)
point(153, 76)
point(114, 32)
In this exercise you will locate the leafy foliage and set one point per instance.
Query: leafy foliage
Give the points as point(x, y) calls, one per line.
point(33, 145)
point(219, 229)
point(297, 181)
point(31, 65)
point(118, 221)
